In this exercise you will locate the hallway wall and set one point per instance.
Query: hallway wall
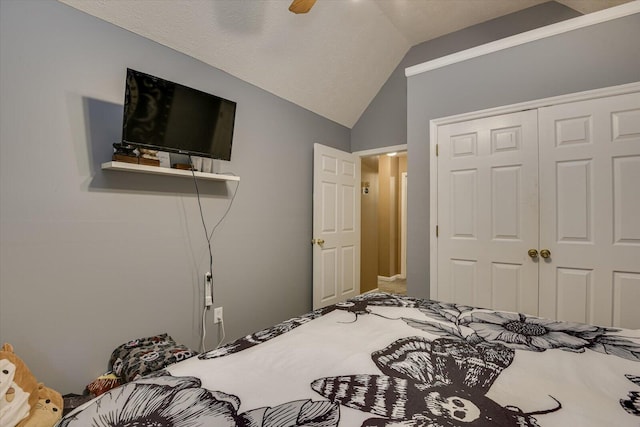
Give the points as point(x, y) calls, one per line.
point(369, 226)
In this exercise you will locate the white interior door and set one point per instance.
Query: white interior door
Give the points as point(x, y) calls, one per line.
point(487, 171)
point(590, 211)
point(336, 226)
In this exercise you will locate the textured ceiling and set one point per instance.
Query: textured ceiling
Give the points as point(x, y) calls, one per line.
point(332, 61)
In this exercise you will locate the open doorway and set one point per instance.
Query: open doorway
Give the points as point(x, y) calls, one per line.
point(383, 220)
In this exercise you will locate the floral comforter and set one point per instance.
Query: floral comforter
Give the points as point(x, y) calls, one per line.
point(384, 360)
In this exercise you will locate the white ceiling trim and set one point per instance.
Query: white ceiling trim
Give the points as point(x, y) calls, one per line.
point(381, 150)
point(529, 36)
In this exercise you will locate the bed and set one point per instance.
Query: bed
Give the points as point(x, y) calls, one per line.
point(386, 360)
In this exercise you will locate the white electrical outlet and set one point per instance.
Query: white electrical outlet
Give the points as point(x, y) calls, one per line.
point(217, 315)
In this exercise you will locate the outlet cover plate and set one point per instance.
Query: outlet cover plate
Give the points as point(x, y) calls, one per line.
point(217, 315)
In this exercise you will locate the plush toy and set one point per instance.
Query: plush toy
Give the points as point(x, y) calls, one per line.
point(48, 410)
point(18, 388)
point(24, 402)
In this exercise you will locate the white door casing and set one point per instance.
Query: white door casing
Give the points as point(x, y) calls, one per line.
point(589, 214)
point(590, 211)
point(336, 226)
point(487, 212)
point(403, 226)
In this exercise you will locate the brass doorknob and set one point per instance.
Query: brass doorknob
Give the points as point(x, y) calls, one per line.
point(320, 241)
point(545, 253)
point(533, 253)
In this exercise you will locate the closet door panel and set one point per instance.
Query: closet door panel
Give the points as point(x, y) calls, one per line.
point(488, 212)
point(626, 295)
point(590, 210)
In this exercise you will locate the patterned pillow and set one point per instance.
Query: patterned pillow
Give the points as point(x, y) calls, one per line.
point(142, 356)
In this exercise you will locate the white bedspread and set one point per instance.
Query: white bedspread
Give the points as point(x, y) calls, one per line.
point(383, 360)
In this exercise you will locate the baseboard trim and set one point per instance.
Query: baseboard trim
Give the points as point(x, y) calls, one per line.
point(390, 279)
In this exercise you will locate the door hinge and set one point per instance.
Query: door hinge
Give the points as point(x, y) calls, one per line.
point(436, 150)
point(436, 231)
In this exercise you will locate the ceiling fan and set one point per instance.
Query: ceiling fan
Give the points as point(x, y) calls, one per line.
point(301, 6)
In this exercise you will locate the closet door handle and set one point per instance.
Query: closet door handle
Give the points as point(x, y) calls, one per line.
point(545, 253)
point(533, 253)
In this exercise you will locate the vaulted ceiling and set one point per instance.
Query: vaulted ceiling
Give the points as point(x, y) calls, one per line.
point(332, 60)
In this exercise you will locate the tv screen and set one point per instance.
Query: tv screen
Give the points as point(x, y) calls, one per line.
point(166, 116)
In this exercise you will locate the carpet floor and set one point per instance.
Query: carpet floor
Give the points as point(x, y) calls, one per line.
point(398, 286)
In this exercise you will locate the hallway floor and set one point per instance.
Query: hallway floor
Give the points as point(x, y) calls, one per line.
point(398, 286)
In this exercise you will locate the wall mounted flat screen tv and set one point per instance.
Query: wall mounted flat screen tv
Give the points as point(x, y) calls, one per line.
point(166, 116)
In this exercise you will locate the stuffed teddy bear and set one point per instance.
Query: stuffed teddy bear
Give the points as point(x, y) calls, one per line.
point(18, 388)
point(24, 402)
point(48, 410)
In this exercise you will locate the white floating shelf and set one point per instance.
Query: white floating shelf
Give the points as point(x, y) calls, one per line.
point(157, 170)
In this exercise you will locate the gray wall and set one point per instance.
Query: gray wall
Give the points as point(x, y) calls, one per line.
point(384, 122)
point(89, 258)
point(598, 56)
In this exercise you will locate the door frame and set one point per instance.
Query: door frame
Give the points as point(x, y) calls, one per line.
point(381, 151)
point(480, 114)
point(403, 225)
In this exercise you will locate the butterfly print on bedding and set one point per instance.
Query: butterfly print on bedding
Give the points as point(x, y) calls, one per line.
point(388, 300)
point(355, 307)
point(430, 383)
point(632, 404)
point(359, 304)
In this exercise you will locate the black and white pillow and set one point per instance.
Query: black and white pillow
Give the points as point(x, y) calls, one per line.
point(142, 356)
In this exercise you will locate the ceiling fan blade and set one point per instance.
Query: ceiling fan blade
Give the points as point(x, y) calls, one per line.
point(301, 6)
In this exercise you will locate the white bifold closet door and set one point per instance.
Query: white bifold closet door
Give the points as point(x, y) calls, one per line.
point(488, 212)
point(590, 211)
point(562, 180)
